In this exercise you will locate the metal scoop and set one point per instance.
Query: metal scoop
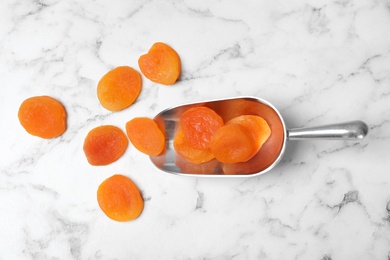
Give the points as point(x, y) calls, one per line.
point(268, 156)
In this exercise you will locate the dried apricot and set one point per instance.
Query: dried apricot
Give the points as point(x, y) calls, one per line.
point(188, 152)
point(104, 145)
point(232, 144)
point(145, 135)
point(119, 88)
point(257, 126)
point(161, 64)
point(119, 198)
point(270, 150)
point(199, 125)
point(43, 116)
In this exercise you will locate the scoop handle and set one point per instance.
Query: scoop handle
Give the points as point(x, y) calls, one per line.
point(342, 131)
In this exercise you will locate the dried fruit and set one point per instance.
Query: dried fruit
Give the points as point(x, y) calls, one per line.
point(119, 88)
point(43, 116)
point(270, 150)
point(104, 145)
point(145, 135)
point(199, 125)
point(232, 143)
point(161, 64)
point(119, 198)
point(188, 152)
point(257, 126)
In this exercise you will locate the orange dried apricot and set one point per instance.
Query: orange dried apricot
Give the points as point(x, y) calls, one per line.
point(188, 152)
point(270, 150)
point(119, 88)
point(232, 143)
point(43, 116)
point(257, 126)
point(119, 198)
point(161, 64)
point(199, 125)
point(145, 135)
point(104, 145)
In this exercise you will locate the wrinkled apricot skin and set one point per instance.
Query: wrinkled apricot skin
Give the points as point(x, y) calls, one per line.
point(119, 88)
point(119, 198)
point(43, 116)
point(104, 145)
point(199, 125)
point(145, 135)
point(232, 144)
point(161, 64)
point(188, 152)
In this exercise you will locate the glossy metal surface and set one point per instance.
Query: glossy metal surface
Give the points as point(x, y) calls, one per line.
point(345, 131)
point(169, 120)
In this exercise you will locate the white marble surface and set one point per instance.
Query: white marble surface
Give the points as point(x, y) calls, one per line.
point(319, 62)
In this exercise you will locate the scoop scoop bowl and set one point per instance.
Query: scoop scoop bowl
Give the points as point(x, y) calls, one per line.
point(269, 155)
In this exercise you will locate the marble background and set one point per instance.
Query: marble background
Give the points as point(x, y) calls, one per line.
point(319, 62)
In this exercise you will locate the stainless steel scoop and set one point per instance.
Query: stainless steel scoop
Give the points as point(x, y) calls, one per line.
point(269, 155)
